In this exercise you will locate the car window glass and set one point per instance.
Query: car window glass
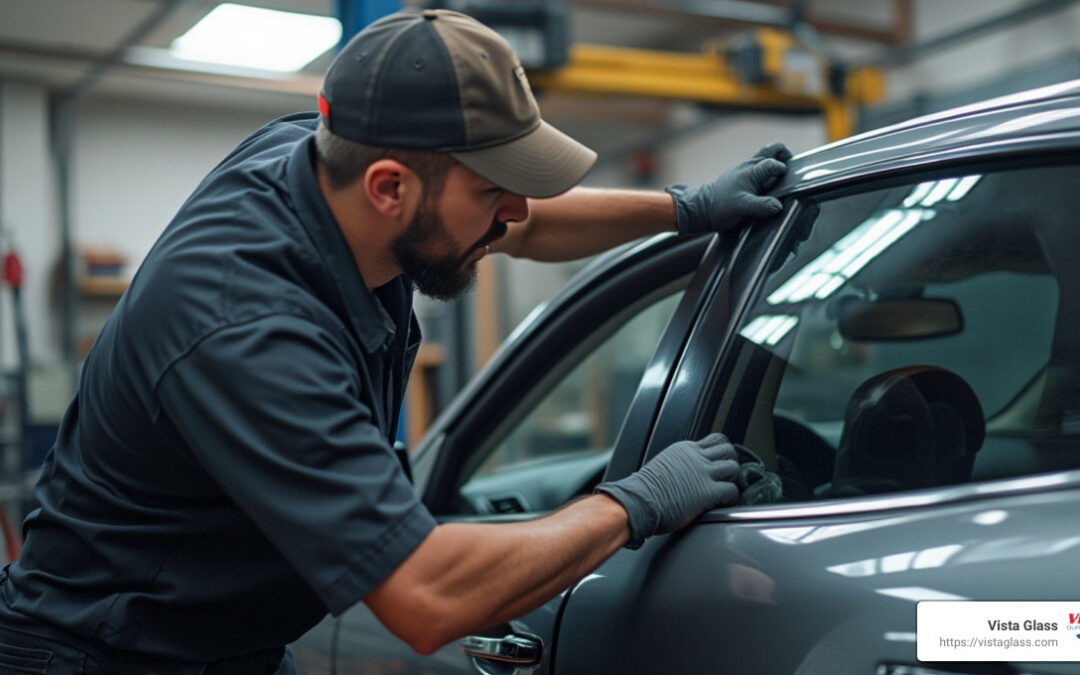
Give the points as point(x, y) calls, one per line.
point(921, 335)
point(567, 426)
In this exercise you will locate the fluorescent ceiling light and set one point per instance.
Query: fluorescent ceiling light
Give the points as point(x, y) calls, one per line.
point(253, 37)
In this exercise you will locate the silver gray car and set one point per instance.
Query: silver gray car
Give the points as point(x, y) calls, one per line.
point(900, 347)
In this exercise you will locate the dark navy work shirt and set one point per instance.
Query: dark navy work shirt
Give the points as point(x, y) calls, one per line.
point(225, 475)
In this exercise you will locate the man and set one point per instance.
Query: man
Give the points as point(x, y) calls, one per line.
point(224, 476)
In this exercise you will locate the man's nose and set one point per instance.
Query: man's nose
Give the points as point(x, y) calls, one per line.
point(513, 208)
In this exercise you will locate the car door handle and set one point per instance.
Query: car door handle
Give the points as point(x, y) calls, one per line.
point(507, 649)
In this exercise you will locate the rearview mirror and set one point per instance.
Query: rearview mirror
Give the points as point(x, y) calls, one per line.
point(898, 319)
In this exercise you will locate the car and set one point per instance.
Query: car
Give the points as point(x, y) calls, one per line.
point(900, 346)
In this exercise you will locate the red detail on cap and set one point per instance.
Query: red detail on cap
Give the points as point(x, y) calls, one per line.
point(324, 106)
point(13, 270)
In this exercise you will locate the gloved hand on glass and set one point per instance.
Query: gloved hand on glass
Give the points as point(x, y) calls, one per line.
point(676, 486)
point(735, 198)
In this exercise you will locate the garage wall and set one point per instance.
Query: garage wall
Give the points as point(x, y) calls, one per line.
point(136, 162)
point(701, 156)
point(28, 214)
point(1038, 41)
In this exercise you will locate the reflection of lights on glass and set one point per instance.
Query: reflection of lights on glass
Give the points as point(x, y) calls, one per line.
point(910, 220)
point(769, 329)
point(918, 593)
point(810, 287)
point(781, 330)
point(992, 517)
point(939, 191)
point(962, 188)
point(920, 191)
point(866, 239)
point(830, 288)
point(948, 189)
point(824, 275)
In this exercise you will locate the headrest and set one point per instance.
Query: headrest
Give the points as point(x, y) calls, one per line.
point(912, 427)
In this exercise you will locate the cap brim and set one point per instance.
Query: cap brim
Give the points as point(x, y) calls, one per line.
point(543, 163)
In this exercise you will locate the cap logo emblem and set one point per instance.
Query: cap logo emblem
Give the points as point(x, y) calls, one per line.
point(519, 73)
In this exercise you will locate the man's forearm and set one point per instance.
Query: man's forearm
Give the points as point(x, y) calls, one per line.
point(585, 221)
point(465, 577)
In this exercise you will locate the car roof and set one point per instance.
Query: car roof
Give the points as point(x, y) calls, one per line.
point(1045, 116)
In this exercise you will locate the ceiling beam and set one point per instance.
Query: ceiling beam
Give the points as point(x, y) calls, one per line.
point(766, 12)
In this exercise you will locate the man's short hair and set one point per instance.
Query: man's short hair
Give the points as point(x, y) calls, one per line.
point(345, 161)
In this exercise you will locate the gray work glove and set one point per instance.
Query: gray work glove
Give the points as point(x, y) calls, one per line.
point(733, 199)
point(681, 482)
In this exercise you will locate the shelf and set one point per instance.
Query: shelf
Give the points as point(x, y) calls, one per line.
point(102, 287)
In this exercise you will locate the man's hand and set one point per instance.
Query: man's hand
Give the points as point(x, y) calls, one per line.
point(734, 198)
point(676, 486)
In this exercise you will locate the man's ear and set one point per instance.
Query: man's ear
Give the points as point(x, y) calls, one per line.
point(389, 185)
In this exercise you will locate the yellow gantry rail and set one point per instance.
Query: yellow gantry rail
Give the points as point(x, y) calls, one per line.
point(705, 78)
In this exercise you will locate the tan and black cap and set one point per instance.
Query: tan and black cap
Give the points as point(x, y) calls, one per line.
point(441, 81)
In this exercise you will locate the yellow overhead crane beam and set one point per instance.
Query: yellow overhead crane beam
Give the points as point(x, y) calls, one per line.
point(784, 77)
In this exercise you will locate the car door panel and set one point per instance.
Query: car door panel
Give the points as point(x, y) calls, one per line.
point(815, 595)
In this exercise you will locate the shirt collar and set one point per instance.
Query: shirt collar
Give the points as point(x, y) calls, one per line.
point(368, 318)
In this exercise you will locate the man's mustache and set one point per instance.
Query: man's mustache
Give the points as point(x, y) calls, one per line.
point(495, 232)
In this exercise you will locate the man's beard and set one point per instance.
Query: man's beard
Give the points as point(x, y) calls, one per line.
point(444, 276)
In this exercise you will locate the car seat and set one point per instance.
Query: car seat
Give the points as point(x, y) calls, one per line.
point(912, 427)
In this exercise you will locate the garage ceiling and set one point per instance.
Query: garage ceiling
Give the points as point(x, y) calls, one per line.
point(58, 42)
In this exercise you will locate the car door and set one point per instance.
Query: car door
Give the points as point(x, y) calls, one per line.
point(907, 365)
point(576, 385)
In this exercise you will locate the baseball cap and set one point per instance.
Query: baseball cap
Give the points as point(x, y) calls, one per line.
point(440, 81)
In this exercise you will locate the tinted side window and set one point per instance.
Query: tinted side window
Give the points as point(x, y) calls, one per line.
point(922, 335)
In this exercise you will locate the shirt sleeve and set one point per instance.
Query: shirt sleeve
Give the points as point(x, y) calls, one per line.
point(272, 410)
